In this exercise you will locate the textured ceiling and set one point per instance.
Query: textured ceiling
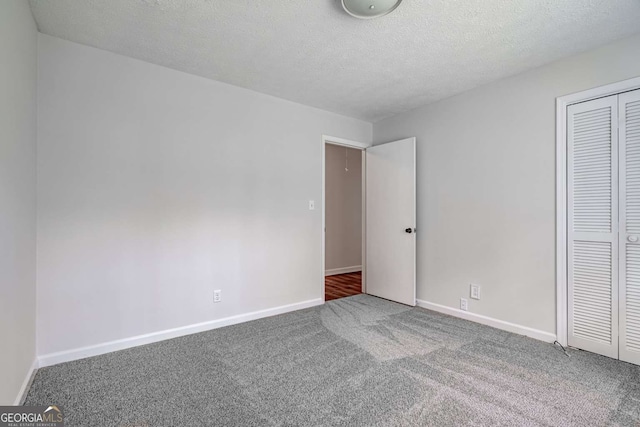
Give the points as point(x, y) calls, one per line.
point(311, 52)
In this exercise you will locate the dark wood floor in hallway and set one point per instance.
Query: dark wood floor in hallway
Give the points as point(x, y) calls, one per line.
point(342, 285)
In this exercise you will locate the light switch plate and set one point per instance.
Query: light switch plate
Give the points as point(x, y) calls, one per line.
point(312, 205)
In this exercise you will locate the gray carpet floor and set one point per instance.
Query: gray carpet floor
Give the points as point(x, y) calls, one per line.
point(357, 361)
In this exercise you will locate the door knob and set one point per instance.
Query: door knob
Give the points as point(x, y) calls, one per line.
point(408, 230)
point(632, 239)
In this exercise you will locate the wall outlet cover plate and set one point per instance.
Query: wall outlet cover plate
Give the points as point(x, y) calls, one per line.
point(475, 291)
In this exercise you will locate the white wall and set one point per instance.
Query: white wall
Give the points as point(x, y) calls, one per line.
point(343, 215)
point(18, 106)
point(157, 187)
point(486, 185)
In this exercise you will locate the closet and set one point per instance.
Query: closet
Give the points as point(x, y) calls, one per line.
point(603, 226)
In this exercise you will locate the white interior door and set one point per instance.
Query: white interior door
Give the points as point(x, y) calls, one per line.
point(592, 196)
point(391, 221)
point(629, 246)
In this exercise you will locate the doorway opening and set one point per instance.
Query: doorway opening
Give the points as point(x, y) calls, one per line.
point(344, 220)
point(388, 218)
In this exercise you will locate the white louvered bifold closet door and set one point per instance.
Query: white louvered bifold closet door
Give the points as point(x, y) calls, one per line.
point(629, 146)
point(592, 198)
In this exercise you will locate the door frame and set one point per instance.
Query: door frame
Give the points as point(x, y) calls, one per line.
point(562, 102)
point(326, 139)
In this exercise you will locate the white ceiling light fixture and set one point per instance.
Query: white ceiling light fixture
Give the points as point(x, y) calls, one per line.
point(369, 9)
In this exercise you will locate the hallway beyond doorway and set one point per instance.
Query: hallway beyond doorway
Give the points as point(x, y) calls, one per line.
point(342, 285)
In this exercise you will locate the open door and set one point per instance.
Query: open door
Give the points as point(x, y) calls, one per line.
point(391, 221)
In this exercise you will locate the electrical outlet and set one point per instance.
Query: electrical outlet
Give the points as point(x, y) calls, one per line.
point(475, 291)
point(464, 304)
point(216, 296)
point(312, 205)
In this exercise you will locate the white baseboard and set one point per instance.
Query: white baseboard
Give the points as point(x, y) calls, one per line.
point(343, 270)
point(26, 383)
point(489, 321)
point(95, 350)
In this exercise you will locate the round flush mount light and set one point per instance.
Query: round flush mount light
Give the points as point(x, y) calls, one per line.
point(368, 9)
